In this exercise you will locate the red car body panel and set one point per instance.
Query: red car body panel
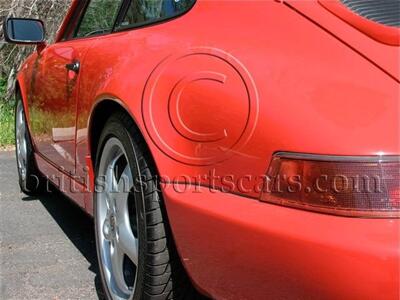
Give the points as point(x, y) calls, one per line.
point(382, 54)
point(54, 93)
point(241, 249)
point(314, 84)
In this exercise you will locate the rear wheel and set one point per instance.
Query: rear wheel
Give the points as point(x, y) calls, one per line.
point(136, 253)
point(31, 181)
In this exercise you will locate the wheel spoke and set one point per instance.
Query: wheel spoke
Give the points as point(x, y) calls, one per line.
point(124, 184)
point(128, 242)
point(23, 150)
point(111, 186)
point(117, 264)
point(115, 213)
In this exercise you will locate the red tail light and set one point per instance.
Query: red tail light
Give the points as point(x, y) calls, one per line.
point(349, 186)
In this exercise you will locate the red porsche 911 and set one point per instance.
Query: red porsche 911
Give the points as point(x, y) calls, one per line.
point(226, 149)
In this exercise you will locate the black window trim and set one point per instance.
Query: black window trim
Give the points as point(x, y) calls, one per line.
point(80, 12)
point(121, 15)
point(148, 23)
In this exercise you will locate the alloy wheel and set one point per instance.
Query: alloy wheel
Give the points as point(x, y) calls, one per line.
point(117, 221)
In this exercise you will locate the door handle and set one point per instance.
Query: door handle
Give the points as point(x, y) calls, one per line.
point(74, 67)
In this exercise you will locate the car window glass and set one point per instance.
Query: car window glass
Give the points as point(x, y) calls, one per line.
point(142, 12)
point(99, 17)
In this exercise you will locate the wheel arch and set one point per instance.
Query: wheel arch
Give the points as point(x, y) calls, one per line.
point(20, 89)
point(100, 113)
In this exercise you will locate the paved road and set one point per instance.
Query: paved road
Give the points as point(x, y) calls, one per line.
point(47, 248)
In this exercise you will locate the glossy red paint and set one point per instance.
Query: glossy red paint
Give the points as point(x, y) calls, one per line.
point(309, 83)
point(54, 99)
point(236, 248)
point(360, 42)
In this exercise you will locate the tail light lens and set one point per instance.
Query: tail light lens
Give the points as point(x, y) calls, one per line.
point(348, 186)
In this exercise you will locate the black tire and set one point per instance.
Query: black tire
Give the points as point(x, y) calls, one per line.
point(160, 274)
point(31, 180)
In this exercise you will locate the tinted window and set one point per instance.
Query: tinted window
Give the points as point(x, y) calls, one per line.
point(99, 17)
point(147, 11)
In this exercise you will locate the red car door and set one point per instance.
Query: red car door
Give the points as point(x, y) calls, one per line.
point(54, 101)
point(55, 85)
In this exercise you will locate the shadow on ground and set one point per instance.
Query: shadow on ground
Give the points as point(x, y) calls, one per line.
point(77, 226)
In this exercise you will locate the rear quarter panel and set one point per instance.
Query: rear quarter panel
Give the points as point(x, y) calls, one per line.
point(316, 95)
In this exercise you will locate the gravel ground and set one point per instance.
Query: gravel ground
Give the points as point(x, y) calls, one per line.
point(47, 248)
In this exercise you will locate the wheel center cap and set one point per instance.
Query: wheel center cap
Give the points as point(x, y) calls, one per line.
point(110, 228)
point(113, 223)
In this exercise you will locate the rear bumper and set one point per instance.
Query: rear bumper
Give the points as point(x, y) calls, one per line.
point(234, 247)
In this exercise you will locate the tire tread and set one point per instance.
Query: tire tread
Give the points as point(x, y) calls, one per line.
point(164, 275)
